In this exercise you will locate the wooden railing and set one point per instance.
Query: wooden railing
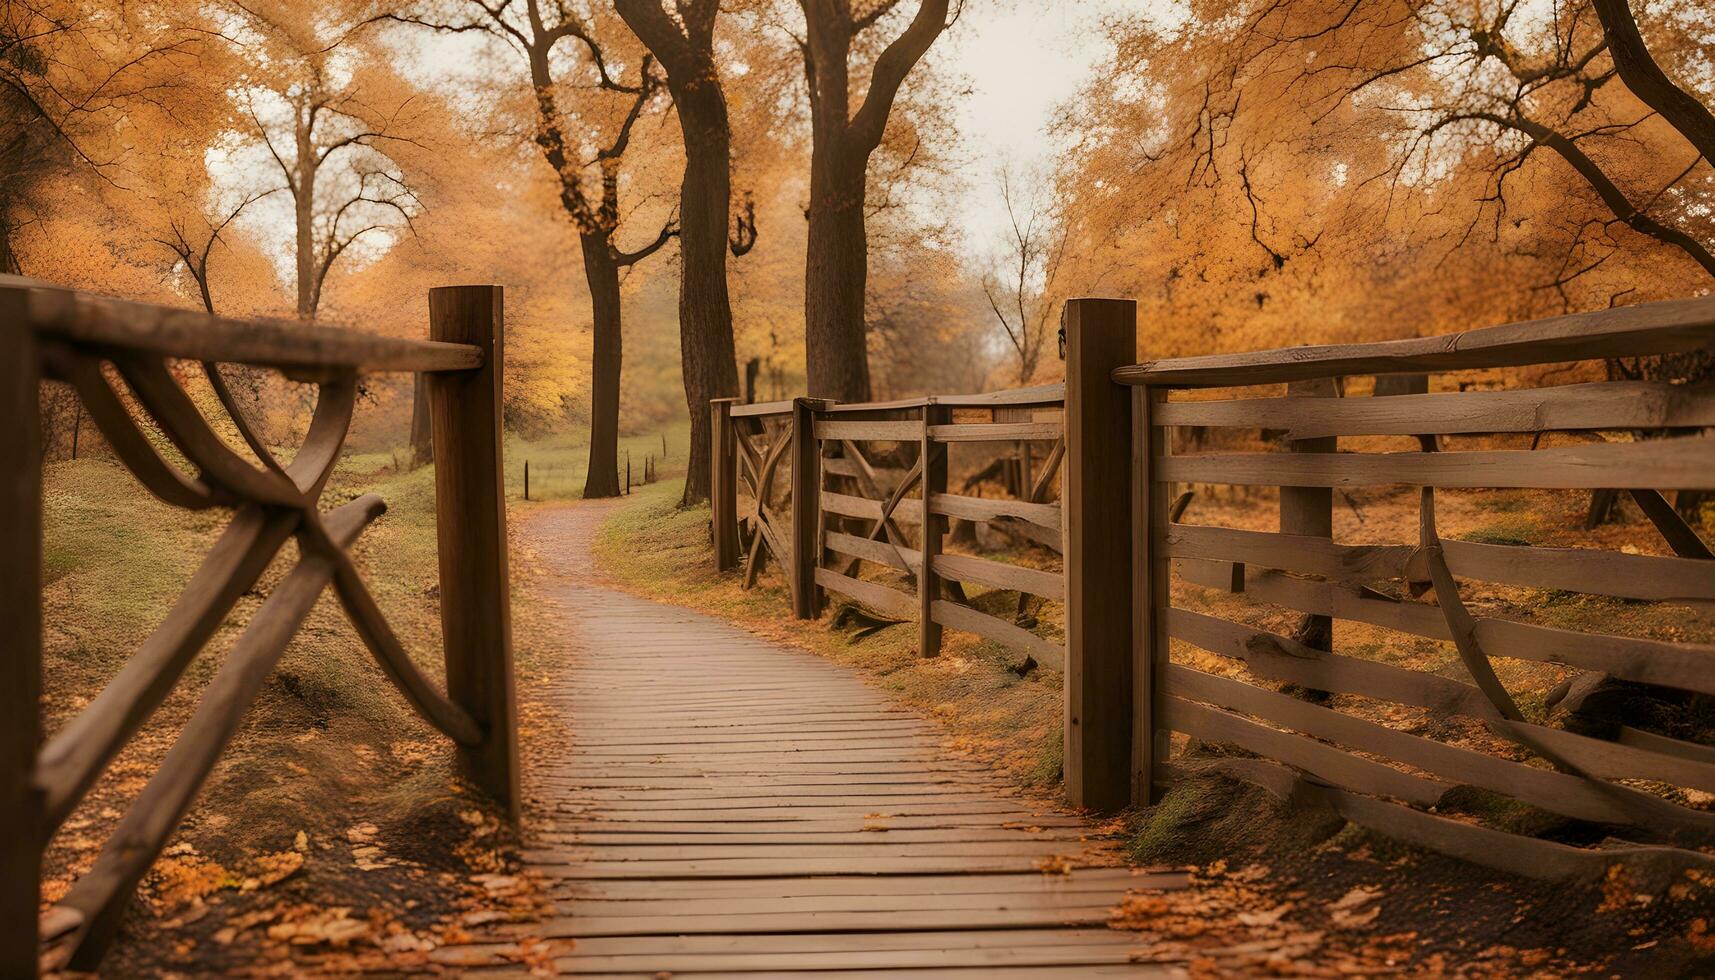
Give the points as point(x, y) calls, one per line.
point(47, 332)
point(848, 484)
point(1129, 677)
point(1385, 777)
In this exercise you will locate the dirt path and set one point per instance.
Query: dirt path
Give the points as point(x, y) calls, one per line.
point(728, 805)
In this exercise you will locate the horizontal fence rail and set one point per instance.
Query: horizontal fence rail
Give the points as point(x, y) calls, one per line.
point(854, 499)
point(90, 342)
point(1205, 669)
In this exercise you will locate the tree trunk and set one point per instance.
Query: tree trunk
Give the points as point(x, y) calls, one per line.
point(8, 258)
point(304, 197)
point(422, 436)
point(836, 270)
point(705, 310)
point(602, 271)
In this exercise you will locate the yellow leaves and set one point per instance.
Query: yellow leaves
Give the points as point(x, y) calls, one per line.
point(180, 878)
point(1056, 864)
point(1350, 912)
point(333, 926)
point(273, 868)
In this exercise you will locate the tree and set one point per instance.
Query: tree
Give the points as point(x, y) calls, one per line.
point(596, 212)
point(191, 235)
point(836, 264)
point(1021, 301)
point(325, 120)
point(685, 46)
point(72, 83)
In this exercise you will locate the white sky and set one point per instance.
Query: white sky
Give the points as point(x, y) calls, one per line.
point(1022, 59)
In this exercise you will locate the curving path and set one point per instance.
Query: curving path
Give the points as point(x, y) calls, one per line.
point(735, 807)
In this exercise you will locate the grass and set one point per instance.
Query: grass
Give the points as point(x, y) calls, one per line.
point(653, 548)
point(327, 746)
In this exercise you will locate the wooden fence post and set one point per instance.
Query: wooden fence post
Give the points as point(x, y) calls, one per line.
point(806, 508)
point(934, 526)
point(1151, 501)
point(723, 482)
point(21, 801)
point(1101, 335)
point(470, 508)
point(1310, 510)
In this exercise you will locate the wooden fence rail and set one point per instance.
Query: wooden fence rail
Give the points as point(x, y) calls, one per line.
point(83, 340)
point(1139, 668)
point(868, 483)
point(1376, 774)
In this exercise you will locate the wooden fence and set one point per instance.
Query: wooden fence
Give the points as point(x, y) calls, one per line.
point(850, 484)
point(1130, 679)
point(1383, 776)
point(85, 341)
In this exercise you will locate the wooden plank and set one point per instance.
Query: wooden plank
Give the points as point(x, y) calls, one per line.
point(1512, 853)
point(762, 409)
point(992, 508)
point(878, 597)
point(1325, 761)
point(932, 461)
point(999, 575)
point(887, 476)
point(668, 908)
point(1648, 328)
point(723, 482)
point(1279, 658)
point(1668, 663)
point(102, 321)
point(78, 753)
point(1598, 405)
point(869, 549)
point(1050, 394)
point(475, 576)
point(1000, 631)
point(1093, 914)
point(1151, 594)
point(1309, 511)
point(1685, 463)
point(100, 896)
point(1558, 792)
point(1101, 335)
point(992, 961)
point(806, 548)
point(21, 801)
point(882, 431)
point(1588, 570)
point(1113, 880)
point(996, 432)
point(907, 511)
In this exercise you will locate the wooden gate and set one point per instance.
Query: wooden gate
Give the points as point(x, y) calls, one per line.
point(88, 341)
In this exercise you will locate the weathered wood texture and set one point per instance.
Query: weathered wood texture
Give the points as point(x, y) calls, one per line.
point(67, 336)
point(723, 483)
point(291, 345)
point(807, 504)
point(932, 458)
point(1303, 569)
point(1650, 328)
point(731, 806)
point(1101, 335)
point(476, 605)
point(21, 636)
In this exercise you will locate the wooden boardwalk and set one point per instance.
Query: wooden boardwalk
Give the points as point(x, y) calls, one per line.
point(731, 806)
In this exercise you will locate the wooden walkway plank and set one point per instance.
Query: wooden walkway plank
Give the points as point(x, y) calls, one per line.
point(730, 807)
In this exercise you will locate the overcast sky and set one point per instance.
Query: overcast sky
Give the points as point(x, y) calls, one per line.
point(1023, 59)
